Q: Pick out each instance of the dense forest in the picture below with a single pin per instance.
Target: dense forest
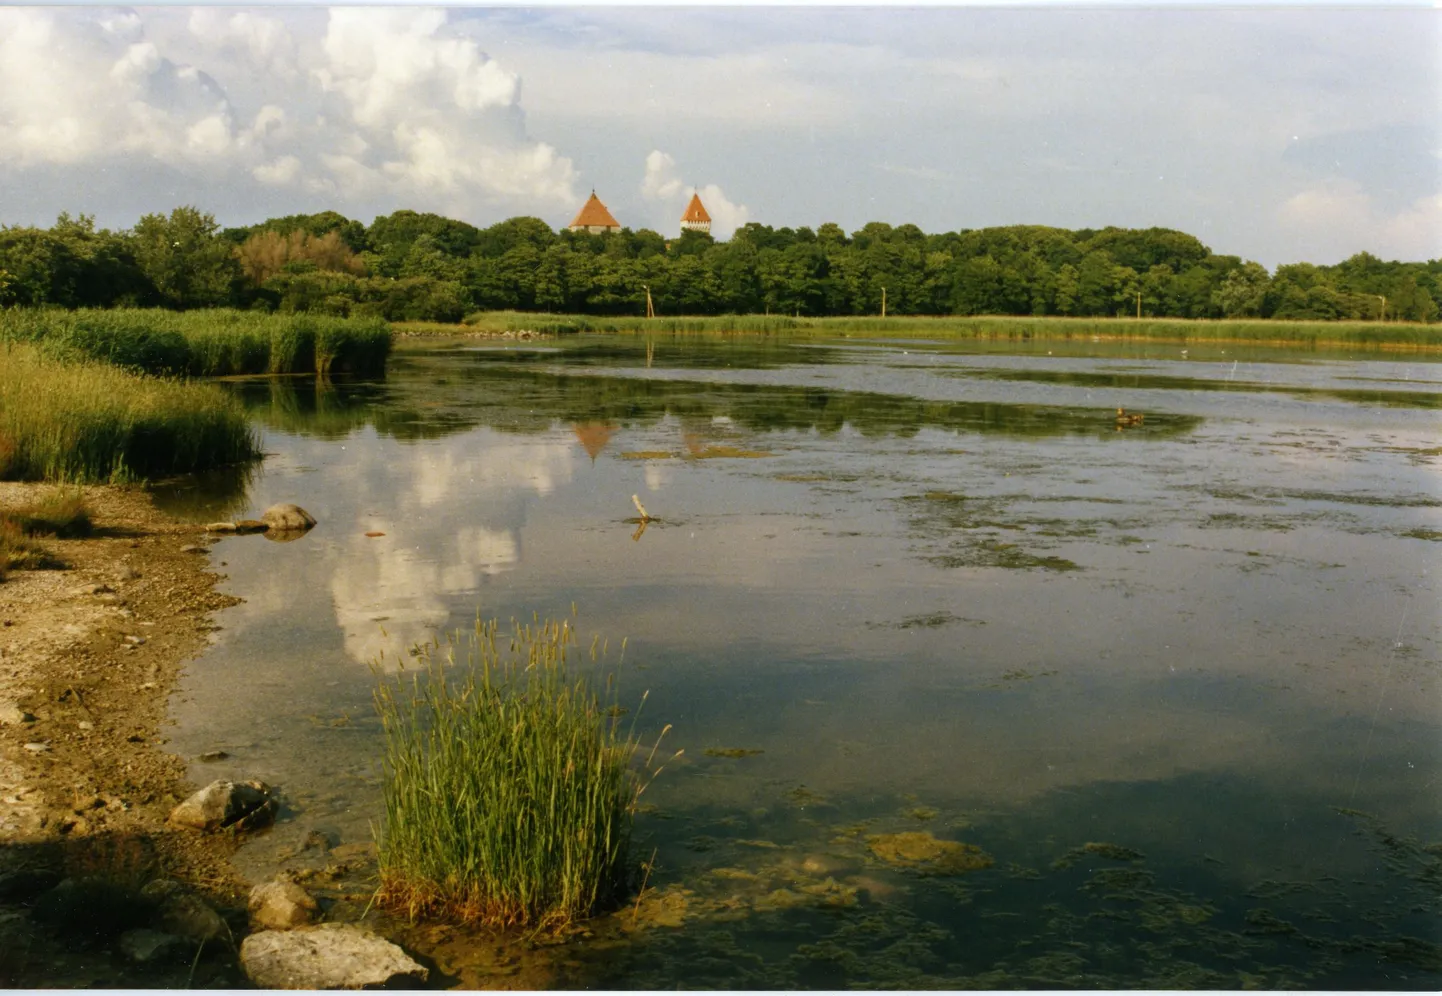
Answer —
(415, 266)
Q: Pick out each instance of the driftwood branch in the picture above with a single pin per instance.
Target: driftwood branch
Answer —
(641, 508)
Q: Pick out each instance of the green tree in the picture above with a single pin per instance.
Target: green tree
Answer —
(1242, 291)
(184, 258)
(1068, 289)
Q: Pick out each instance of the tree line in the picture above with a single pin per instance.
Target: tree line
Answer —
(418, 266)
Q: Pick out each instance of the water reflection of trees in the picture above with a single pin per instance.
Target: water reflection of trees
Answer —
(428, 398)
(677, 352)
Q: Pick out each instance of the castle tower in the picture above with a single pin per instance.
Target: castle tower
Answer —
(695, 218)
(594, 218)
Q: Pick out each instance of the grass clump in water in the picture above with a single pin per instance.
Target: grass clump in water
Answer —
(510, 789)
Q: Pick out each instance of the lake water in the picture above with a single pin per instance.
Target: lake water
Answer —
(924, 589)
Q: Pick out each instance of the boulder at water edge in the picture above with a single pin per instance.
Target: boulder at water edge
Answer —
(224, 804)
(287, 518)
(330, 956)
(280, 905)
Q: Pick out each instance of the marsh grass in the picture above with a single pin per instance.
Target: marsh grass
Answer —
(1310, 333)
(509, 786)
(209, 343)
(560, 324)
(1370, 334)
(76, 422)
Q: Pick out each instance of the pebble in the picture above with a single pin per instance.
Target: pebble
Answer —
(135, 640)
(92, 589)
(211, 756)
(37, 748)
(192, 548)
(85, 724)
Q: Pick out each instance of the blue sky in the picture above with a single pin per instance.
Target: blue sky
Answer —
(1275, 133)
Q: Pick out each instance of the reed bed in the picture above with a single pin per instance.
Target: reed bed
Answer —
(1371, 334)
(510, 788)
(78, 421)
(1364, 334)
(210, 343)
(557, 324)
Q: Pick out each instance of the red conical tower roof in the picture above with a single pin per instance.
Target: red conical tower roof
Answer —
(594, 213)
(696, 211)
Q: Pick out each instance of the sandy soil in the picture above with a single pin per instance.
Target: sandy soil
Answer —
(89, 652)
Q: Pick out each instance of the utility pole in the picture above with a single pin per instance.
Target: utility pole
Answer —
(650, 311)
(1383, 316)
(883, 302)
(1139, 305)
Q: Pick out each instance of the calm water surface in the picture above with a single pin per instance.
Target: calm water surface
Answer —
(937, 591)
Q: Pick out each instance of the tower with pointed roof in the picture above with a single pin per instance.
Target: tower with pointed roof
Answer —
(695, 218)
(594, 218)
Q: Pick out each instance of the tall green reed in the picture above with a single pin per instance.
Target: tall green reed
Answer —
(510, 787)
(76, 421)
(208, 343)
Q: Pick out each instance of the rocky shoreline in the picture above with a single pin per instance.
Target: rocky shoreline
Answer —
(99, 884)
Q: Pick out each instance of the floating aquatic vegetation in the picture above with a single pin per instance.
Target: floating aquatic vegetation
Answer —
(722, 452)
(1113, 852)
(647, 455)
(920, 851)
(733, 752)
(803, 796)
(1423, 534)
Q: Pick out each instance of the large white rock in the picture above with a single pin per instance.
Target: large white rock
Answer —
(329, 956)
(280, 905)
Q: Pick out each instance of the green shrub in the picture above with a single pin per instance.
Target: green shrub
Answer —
(509, 789)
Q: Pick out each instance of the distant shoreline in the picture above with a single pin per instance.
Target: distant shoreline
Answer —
(1382, 336)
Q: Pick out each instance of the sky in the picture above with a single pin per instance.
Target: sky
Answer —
(1278, 133)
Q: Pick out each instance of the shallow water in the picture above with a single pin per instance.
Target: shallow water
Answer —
(936, 589)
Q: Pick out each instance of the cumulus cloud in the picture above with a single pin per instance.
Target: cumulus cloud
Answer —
(662, 185)
(393, 105)
(119, 94)
(1329, 221)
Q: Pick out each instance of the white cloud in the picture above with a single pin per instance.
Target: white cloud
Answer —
(1333, 220)
(262, 42)
(662, 185)
(117, 94)
(281, 173)
(387, 105)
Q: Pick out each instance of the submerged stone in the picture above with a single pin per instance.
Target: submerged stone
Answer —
(921, 851)
(286, 517)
